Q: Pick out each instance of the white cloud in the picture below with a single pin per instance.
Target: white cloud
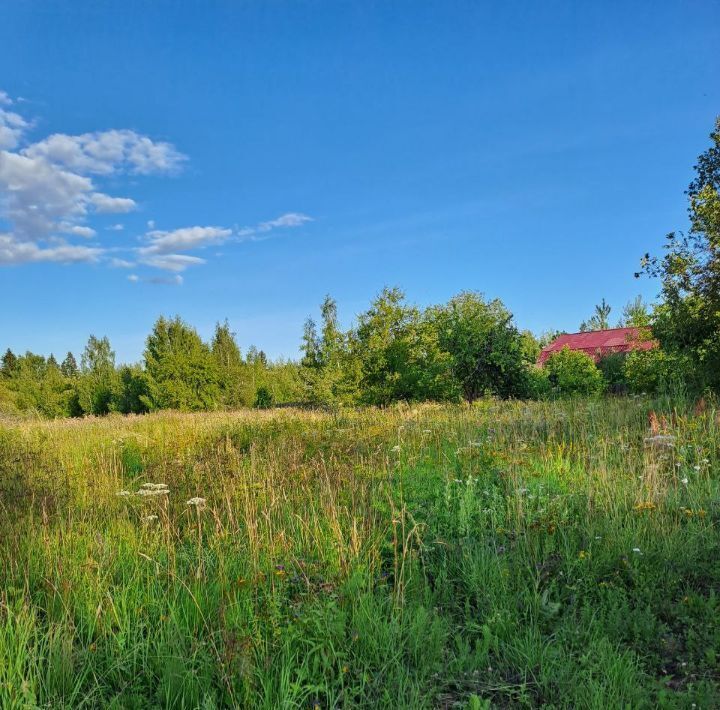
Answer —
(184, 239)
(106, 152)
(122, 264)
(176, 280)
(171, 262)
(77, 230)
(14, 251)
(12, 125)
(291, 219)
(106, 204)
(51, 190)
(37, 196)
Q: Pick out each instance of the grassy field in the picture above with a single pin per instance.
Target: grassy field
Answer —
(504, 555)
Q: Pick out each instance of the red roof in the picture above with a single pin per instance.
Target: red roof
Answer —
(598, 343)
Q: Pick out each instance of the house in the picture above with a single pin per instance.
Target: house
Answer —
(599, 343)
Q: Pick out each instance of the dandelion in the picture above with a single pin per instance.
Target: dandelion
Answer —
(197, 502)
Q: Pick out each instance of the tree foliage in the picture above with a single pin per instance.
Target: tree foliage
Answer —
(687, 322)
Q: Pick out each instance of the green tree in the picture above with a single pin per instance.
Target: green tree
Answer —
(487, 353)
(9, 363)
(69, 366)
(398, 355)
(131, 390)
(687, 322)
(636, 314)
(98, 377)
(326, 368)
(232, 370)
(573, 372)
(600, 320)
(181, 371)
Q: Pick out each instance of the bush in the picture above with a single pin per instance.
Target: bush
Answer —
(264, 398)
(538, 383)
(573, 372)
(658, 372)
(612, 368)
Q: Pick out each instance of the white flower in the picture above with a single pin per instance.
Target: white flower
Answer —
(678, 464)
(684, 481)
(123, 494)
(149, 518)
(660, 441)
(151, 492)
(154, 486)
(697, 468)
(395, 448)
(637, 550)
(197, 502)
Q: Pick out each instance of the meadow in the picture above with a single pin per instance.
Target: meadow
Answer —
(505, 554)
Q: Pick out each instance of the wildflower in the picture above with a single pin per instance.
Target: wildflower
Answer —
(697, 468)
(149, 519)
(345, 669)
(123, 494)
(197, 502)
(678, 464)
(701, 513)
(151, 492)
(660, 441)
(647, 505)
(636, 550)
(154, 486)
(582, 554)
(395, 448)
(684, 481)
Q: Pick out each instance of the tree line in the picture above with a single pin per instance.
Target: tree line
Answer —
(464, 349)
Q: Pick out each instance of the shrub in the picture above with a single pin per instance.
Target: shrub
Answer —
(264, 398)
(612, 368)
(573, 372)
(658, 372)
(538, 383)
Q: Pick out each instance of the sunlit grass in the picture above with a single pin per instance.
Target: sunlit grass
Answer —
(508, 554)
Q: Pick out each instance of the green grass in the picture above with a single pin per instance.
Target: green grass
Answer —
(504, 555)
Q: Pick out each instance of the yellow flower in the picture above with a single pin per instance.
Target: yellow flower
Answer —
(647, 505)
(582, 554)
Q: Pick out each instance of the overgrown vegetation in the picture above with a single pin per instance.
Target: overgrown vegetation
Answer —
(505, 554)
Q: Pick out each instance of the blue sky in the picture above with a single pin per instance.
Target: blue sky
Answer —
(240, 160)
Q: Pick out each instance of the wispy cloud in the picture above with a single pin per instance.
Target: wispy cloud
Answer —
(176, 280)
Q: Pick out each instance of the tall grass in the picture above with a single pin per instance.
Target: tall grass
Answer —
(507, 554)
